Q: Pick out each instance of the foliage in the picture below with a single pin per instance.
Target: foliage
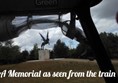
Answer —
(34, 52)
(9, 53)
(60, 50)
(25, 55)
(110, 42)
(72, 53)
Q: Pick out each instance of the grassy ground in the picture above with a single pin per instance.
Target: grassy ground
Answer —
(54, 66)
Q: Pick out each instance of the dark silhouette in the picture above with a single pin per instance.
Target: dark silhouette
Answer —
(117, 17)
(45, 41)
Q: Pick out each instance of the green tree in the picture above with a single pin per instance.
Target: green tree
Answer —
(72, 53)
(9, 53)
(110, 42)
(34, 52)
(25, 55)
(60, 49)
(8, 43)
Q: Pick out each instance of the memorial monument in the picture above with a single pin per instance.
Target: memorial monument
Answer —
(44, 54)
(45, 41)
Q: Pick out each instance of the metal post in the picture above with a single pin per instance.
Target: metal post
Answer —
(92, 35)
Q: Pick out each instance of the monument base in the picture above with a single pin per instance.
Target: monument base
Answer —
(44, 55)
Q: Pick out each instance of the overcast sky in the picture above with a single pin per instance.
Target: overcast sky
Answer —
(103, 15)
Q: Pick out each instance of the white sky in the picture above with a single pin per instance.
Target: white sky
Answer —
(103, 16)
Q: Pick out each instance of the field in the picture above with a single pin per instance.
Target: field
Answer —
(64, 65)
